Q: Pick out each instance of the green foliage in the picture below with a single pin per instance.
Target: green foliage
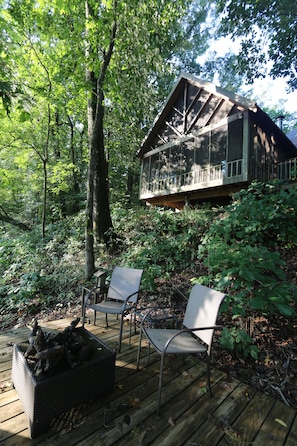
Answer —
(239, 341)
(232, 246)
(161, 242)
(255, 22)
(44, 49)
(243, 252)
(255, 277)
(265, 214)
(39, 273)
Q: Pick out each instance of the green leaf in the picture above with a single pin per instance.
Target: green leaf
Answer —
(24, 116)
(286, 310)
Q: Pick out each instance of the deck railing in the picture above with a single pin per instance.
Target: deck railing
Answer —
(231, 171)
(173, 182)
(286, 171)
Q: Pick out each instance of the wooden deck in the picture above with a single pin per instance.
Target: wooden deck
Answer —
(236, 415)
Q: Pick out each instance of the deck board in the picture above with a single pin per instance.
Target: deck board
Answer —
(237, 413)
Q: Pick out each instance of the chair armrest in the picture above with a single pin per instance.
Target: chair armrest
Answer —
(212, 327)
(188, 330)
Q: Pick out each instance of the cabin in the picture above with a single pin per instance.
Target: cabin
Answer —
(207, 143)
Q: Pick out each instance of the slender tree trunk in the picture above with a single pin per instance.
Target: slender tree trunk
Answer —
(102, 217)
(98, 217)
(89, 230)
(44, 159)
(89, 234)
(43, 222)
(75, 190)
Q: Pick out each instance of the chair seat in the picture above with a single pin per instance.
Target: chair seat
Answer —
(183, 343)
(110, 307)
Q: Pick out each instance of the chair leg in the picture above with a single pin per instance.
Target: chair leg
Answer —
(121, 333)
(130, 332)
(139, 349)
(134, 317)
(84, 299)
(148, 353)
(160, 383)
(208, 376)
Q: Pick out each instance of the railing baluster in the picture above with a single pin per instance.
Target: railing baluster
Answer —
(285, 170)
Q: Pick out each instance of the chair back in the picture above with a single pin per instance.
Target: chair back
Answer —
(202, 310)
(124, 282)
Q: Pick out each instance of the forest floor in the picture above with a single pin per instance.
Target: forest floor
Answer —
(275, 370)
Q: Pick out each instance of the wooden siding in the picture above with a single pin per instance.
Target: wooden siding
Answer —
(237, 414)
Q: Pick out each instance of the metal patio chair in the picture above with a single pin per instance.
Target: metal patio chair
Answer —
(195, 336)
(120, 298)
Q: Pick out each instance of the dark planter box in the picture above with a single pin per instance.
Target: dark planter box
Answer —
(46, 399)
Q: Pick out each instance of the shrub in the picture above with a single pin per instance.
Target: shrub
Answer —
(241, 255)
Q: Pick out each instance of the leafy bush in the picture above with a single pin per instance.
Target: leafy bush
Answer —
(238, 340)
(161, 242)
(253, 277)
(241, 255)
(238, 246)
(36, 272)
(264, 214)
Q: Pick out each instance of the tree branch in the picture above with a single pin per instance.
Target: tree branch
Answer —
(7, 219)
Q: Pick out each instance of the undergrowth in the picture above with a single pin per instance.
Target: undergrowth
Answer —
(238, 245)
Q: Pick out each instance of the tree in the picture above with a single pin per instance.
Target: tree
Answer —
(268, 34)
(130, 46)
(116, 59)
(40, 145)
(98, 217)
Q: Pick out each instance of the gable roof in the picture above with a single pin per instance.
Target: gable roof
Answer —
(292, 135)
(229, 99)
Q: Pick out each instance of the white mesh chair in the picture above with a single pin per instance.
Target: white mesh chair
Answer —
(121, 298)
(196, 336)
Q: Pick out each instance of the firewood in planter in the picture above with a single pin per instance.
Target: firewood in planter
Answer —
(65, 336)
(50, 352)
(47, 360)
(40, 341)
(37, 340)
(73, 324)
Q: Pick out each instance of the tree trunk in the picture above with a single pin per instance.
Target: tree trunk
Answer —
(98, 217)
(89, 232)
(89, 236)
(102, 217)
(43, 220)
